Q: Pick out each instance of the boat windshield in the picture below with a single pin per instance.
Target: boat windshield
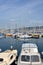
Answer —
(25, 58)
(34, 58)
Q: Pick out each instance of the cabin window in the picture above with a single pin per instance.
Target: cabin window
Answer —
(34, 58)
(25, 58)
(1, 59)
(11, 57)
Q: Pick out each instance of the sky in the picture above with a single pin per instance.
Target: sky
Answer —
(21, 13)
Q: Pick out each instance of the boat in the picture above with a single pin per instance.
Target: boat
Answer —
(8, 57)
(21, 36)
(1, 35)
(16, 35)
(25, 36)
(29, 55)
(37, 36)
(8, 34)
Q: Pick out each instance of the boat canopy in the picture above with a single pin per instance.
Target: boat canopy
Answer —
(30, 47)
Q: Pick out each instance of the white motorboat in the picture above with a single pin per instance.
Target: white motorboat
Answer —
(25, 36)
(29, 55)
(21, 36)
(8, 57)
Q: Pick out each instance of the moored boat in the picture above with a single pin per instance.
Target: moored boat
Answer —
(36, 36)
(25, 36)
(29, 55)
(8, 34)
(16, 35)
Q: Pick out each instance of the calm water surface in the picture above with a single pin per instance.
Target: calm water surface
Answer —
(5, 43)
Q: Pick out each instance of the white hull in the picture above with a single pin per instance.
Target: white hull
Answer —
(25, 37)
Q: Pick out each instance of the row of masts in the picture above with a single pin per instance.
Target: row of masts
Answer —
(37, 29)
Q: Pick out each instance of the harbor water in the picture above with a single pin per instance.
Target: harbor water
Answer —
(5, 44)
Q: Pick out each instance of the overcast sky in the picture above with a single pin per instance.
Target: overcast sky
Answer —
(23, 13)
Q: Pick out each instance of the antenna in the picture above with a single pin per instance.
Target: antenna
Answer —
(15, 27)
